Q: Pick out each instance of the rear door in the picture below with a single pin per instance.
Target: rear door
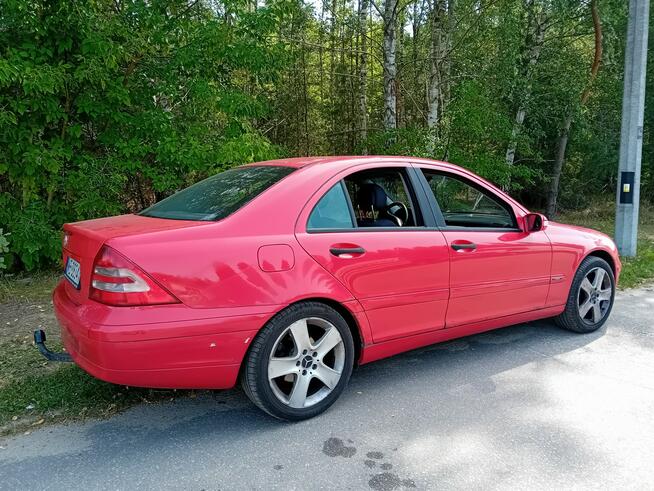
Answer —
(496, 269)
(395, 262)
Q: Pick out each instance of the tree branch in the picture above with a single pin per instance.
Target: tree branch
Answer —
(597, 59)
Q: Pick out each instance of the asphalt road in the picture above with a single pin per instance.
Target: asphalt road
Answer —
(527, 407)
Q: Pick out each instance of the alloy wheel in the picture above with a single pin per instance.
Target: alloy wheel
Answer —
(594, 296)
(306, 362)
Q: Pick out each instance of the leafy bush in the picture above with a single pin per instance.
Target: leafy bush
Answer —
(128, 103)
(4, 248)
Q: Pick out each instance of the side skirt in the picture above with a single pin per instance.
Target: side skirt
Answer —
(377, 351)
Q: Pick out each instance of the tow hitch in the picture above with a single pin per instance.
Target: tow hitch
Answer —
(39, 340)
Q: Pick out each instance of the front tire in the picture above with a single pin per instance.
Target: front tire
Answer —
(300, 362)
(591, 297)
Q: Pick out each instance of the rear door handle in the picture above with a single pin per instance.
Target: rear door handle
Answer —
(345, 251)
(459, 247)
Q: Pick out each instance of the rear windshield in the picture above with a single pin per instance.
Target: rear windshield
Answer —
(218, 196)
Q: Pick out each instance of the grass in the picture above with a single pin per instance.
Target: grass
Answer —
(601, 216)
(34, 391)
(35, 287)
(46, 394)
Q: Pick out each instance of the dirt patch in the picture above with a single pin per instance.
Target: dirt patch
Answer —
(20, 318)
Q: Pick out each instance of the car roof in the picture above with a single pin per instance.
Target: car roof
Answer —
(346, 160)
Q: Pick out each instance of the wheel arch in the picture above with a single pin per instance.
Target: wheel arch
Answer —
(350, 319)
(603, 254)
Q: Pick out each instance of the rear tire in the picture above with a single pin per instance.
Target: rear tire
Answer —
(300, 362)
(591, 297)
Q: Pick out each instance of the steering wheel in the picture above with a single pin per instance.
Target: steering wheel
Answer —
(399, 207)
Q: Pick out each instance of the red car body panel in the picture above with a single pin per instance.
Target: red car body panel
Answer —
(484, 283)
(570, 245)
(408, 289)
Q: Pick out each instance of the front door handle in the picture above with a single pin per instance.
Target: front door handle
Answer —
(460, 246)
(347, 251)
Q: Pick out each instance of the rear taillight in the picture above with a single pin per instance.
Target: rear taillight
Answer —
(118, 281)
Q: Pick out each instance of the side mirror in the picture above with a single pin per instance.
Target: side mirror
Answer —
(534, 222)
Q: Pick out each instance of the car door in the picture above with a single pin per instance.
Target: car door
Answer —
(399, 271)
(496, 268)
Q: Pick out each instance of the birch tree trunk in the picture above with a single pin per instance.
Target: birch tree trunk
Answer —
(562, 142)
(390, 64)
(414, 69)
(332, 75)
(436, 51)
(400, 107)
(363, 75)
(534, 46)
(447, 62)
(413, 73)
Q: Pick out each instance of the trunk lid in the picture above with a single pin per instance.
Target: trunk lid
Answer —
(83, 240)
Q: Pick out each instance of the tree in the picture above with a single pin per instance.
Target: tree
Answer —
(363, 73)
(537, 26)
(390, 15)
(437, 53)
(109, 105)
(562, 142)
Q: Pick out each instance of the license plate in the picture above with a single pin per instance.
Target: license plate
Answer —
(72, 272)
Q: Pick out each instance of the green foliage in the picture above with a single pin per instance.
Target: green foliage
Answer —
(109, 105)
(36, 236)
(647, 178)
(4, 248)
(126, 103)
(474, 135)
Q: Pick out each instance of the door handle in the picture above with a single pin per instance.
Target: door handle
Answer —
(342, 251)
(464, 246)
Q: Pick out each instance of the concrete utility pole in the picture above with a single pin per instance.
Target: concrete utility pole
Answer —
(631, 137)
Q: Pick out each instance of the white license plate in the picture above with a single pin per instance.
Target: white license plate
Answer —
(72, 272)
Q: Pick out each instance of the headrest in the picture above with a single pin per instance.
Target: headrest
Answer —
(371, 194)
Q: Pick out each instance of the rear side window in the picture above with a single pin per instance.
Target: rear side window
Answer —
(332, 211)
(218, 196)
(381, 198)
(372, 198)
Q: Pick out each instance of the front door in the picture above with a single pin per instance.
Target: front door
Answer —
(369, 232)
(496, 269)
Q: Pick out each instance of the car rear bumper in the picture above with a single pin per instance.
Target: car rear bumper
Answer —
(198, 353)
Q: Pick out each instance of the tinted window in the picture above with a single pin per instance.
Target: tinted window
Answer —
(332, 211)
(219, 195)
(464, 205)
(381, 198)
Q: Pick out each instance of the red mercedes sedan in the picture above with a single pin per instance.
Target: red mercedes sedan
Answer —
(286, 274)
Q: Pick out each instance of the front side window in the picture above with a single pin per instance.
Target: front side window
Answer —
(218, 196)
(464, 205)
